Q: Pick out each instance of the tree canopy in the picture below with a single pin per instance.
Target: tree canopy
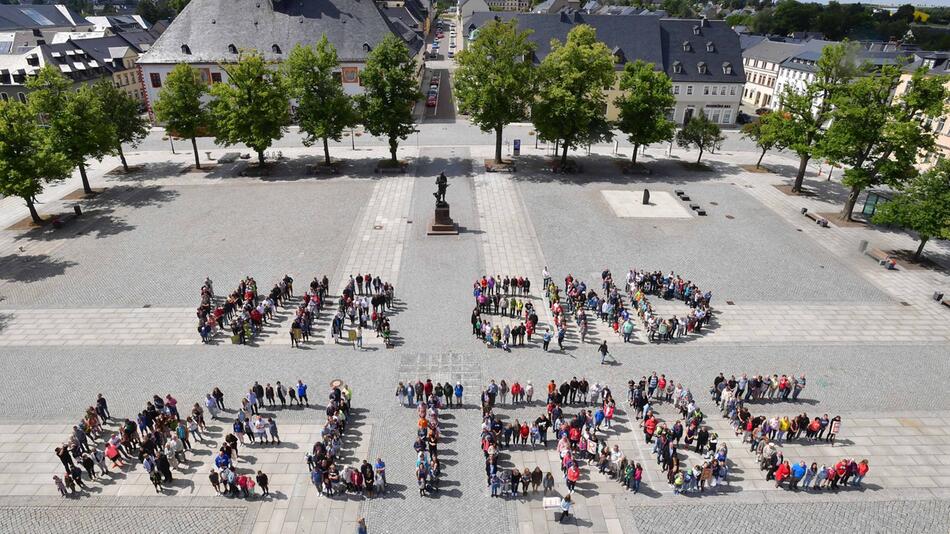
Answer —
(767, 133)
(570, 105)
(324, 110)
(390, 90)
(923, 206)
(494, 81)
(700, 132)
(28, 155)
(180, 105)
(129, 126)
(252, 108)
(643, 105)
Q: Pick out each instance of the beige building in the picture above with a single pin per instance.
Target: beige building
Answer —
(762, 63)
(937, 64)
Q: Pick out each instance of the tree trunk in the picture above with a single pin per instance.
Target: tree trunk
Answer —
(125, 165)
(260, 159)
(564, 154)
(36, 216)
(758, 164)
(393, 145)
(194, 145)
(636, 147)
(923, 241)
(326, 151)
(700, 154)
(800, 177)
(85, 179)
(498, 131)
(849, 204)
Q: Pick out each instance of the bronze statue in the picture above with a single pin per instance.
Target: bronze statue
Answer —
(442, 183)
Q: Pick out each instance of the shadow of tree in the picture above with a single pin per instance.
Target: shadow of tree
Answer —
(32, 268)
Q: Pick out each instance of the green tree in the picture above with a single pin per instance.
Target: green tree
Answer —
(78, 123)
(571, 105)
(647, 95)
(700, 132)
(154, 10)
(179, 105)
(494, 81)
(878, 136)
(766, 133)
(324, 110)
(252, 108)
(125, 114)
(390, 90)
(805, 113)
(28, 155)
(923, 206)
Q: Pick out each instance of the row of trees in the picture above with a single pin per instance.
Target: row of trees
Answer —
(253, 107)
(497, 84)
(60, 129)
(852, 116)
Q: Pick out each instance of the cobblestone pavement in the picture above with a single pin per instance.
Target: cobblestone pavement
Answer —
(803, 302)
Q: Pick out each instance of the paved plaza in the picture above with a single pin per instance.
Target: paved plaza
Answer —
(107, 305)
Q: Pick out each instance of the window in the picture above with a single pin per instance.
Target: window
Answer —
(710, 47)
(4, 97)
(689, 89)
(677, 67)
(155, 78)
(706, 90)
(21, 97)
(687, 47)
(350, 74)
(727, 116)
(232, 49)
(205, 75)
(701, 67)
(695, 30)
(722, 90)
(185, 49)
(939, 127)
(215, 77)
(676, 89)
(732, 90)
(275, 49)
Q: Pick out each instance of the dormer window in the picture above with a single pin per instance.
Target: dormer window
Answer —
(185, 50)
(929, 63)
(727, 68)
(677, 67)
(367, 48)
(710, 47)
(687, 47)
(701, 67)
(275, 49)
(232, 49)
(695, 30)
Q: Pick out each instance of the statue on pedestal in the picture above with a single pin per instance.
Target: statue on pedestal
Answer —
(442, 183)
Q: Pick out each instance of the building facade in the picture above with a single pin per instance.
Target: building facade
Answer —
(210, 33)
(936, 64)
(702, 58)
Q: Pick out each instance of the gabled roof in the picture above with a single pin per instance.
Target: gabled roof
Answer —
(648, 38)
(22, 17)
(208, 27)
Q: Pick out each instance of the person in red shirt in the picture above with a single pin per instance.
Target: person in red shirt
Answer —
(862, 469)
(573, 474)
(841, 469)
(782, 473)
(649, 427)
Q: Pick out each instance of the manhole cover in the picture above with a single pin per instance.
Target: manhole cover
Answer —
(377, 227)
(730, 217)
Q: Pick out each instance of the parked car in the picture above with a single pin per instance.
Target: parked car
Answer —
(431, 102)
(434, 81)
(451, 54)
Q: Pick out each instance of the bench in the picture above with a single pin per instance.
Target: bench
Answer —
(819, 220)
(694, 207)
(882, 258)
(682, 194)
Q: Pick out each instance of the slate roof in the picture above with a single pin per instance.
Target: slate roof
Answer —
(648, 38)
(29, 17)
(208, 27)
(106, 49)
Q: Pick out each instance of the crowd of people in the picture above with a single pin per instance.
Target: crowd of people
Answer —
(428, 436)
(244, 311)
(845, 473)
(364, 302)
(640, 285)
(500, 296)
(327, 473)
(80, 452)
(414, 394)
(759, 387)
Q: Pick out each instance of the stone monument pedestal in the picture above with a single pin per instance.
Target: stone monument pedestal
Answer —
(442, 224)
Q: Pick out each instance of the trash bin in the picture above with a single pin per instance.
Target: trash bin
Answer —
(516, 148)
